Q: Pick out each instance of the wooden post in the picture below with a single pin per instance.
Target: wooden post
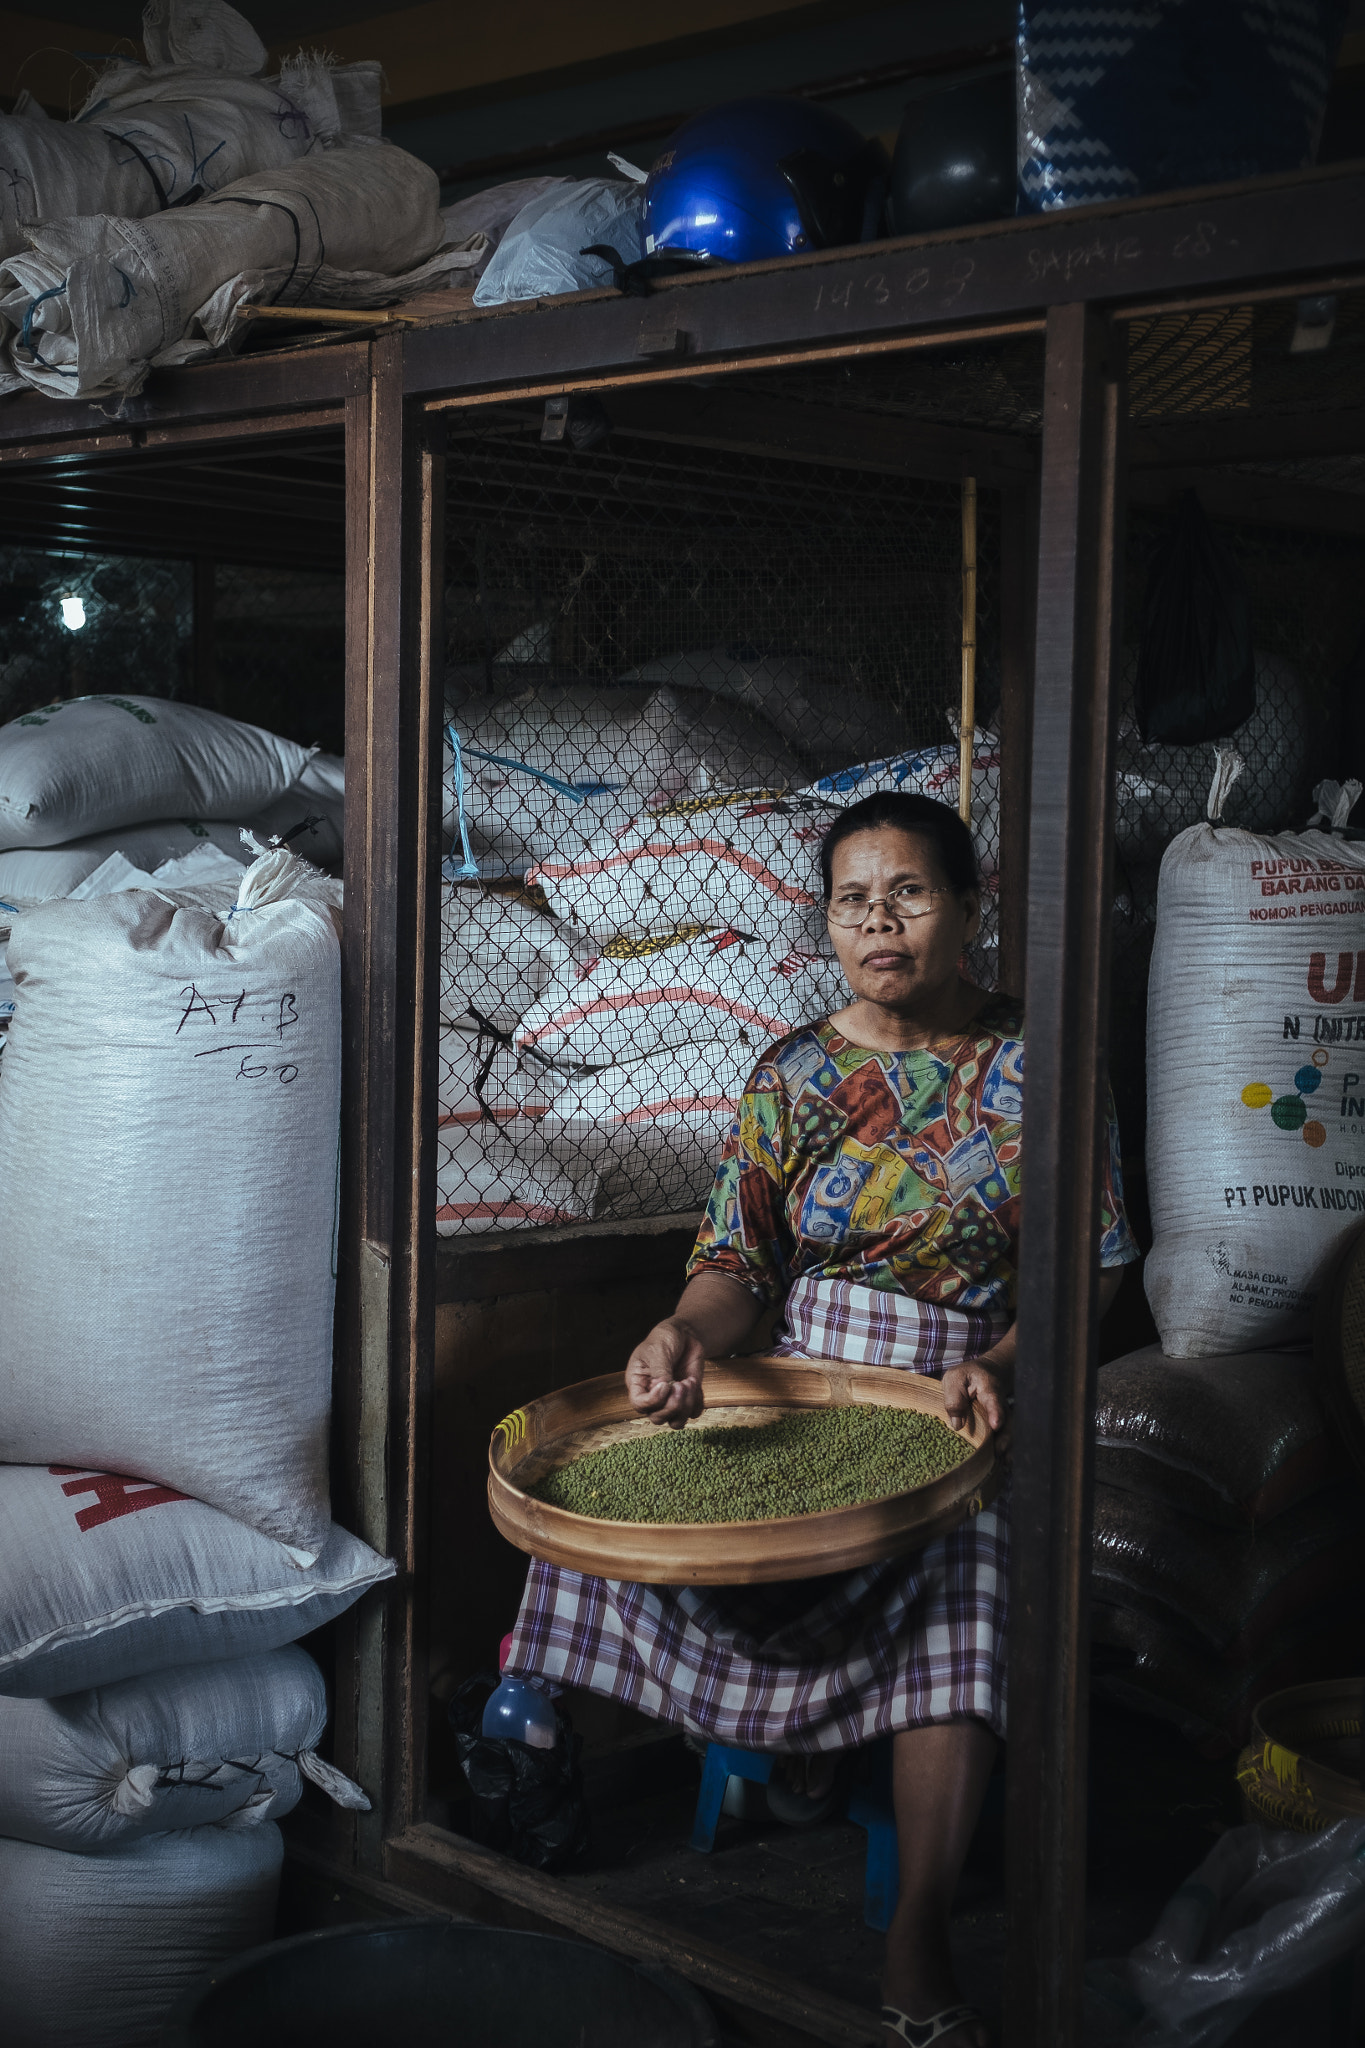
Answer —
(394, 501)
(966, 732)
(1070, 836)
(1018, 626)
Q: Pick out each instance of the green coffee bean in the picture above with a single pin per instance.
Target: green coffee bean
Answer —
(801, 1464)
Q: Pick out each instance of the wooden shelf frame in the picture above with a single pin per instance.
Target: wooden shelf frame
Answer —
(1071, 278)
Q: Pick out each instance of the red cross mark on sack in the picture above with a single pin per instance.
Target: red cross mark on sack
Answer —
(114, 1495)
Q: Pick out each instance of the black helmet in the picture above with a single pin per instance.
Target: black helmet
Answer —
(955, 155)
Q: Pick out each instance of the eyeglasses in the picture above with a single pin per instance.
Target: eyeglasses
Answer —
(910, 899)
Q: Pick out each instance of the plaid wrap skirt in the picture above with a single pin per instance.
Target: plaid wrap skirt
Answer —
(812, 1664)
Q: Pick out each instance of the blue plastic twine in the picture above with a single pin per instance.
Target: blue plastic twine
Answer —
(451, 869)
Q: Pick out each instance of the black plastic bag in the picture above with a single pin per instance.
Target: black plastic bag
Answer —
(1196, 676)
(527, 1802)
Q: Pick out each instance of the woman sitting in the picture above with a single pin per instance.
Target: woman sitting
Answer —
(870, 1186)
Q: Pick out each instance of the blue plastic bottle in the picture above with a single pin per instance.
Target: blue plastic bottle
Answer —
(516, 1711)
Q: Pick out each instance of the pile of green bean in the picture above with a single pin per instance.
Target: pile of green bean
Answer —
(800, 1464)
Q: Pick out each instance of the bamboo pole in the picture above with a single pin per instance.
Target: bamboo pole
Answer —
(967, 713)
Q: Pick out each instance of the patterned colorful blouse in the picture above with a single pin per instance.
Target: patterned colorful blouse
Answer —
(899, 1170)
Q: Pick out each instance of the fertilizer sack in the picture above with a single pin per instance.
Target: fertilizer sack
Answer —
(748, 863)
(210, 1745)
(500, 1176)
(104, 1578)
(97, 1949)
(92, 764)
(1255, 1082)
(310, 817)
(96, 298)
(170, 1110)
(643, 996)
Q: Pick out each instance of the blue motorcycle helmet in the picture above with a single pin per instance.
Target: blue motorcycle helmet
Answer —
(763, 177)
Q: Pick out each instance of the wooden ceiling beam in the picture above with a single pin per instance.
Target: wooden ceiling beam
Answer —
(742, 422)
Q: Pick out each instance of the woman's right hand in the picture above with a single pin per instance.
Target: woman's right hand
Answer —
(663, 1375)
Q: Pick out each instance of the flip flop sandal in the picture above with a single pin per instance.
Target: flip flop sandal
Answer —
(923, 2033)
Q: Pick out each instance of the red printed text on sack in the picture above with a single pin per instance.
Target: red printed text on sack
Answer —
(114, 1495)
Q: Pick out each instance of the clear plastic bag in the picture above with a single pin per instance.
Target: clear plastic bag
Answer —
(541, 252)
(1266, 1912)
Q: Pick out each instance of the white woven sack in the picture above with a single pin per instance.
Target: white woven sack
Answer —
(497, 956)
(195, 115)
(652, 1128)
(96, 298)
(171, 1109)
(1255, 1082)
(503, 1179)
(96, 1949)
(483, 1083)
(750, 864)
(825, 717)
(46, 872)
(642, 996)
(933, 772)
(548, 771)
(103, 1578)
(209, 1745)
(310, 817)
(96, 763)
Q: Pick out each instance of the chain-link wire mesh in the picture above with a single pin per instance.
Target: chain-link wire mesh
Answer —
(667, 669)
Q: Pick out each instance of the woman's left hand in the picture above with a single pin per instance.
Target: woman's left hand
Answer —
(975, 1381)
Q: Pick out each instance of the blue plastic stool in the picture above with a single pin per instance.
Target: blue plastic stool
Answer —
(869, 1805)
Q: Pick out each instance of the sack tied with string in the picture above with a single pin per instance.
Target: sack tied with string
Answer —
(170, 1108)
(195, 117)
(210, 1745)
(1255, 1079)
(96, 299)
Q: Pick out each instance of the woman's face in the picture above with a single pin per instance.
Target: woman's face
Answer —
(898, 961)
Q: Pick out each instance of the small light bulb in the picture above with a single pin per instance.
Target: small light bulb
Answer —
(73, 614)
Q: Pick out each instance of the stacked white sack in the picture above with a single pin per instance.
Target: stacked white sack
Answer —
(638, 997)
(91, 764)
(1255, 1079)
(748, 863)
(545, 774)
(652, 1128)
(96, 1949)
(171, 1109)
(308, 818)
(104, 1578)
(210, 1745)
(493, 1172)
(97, 298)
(825, 717)
(196, 116)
